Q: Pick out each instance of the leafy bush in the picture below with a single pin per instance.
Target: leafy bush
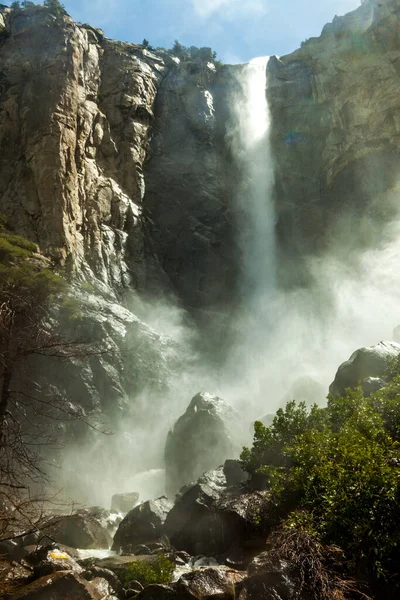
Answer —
(335, 473)
(160, 571)
(203, 54)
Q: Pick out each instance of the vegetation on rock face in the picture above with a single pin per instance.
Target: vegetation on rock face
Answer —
(160, 571)
(334, 473)
(203, 54)
(30, 412)
(54, 6)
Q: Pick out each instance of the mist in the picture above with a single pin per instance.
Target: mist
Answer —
(280, 336)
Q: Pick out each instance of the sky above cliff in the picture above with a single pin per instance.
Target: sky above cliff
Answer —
(237, 29)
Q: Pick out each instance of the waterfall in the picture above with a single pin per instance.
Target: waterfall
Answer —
(253, 151)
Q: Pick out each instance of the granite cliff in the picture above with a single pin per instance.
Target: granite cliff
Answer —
(117, 161)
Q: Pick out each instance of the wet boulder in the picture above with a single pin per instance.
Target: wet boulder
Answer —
(13, 576)
(208, 583)
(47, 560)
(209, 518)
(269, 580)
(123, 503)
(234, 473)
(157, 592)
(190, 525)
(119, 565)
(142, 524)
(201, 439)
(366, 366)
(63, 585)
(10, 550)
(77, 531)
(94, 572)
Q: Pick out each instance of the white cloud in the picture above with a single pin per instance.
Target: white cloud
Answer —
(229, 9)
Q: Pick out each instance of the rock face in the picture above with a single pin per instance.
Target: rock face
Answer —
(201, 439)
(117, 162)
(366, 366)
(335, 137)
(72, 178)
(142, 524)
(190, 168)
(76, 115)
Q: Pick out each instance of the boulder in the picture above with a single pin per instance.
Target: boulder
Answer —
(142, 524)
(123, 503)
(269, 581)
(209, 582)
(119, 564)
(208, 518)
(234, 473)
(48, 560)
(202, 438)
(77, 531)
(366, 366)
(157, 592)
(9, 549)
(13, 576)
(63, 585)
(95, 573)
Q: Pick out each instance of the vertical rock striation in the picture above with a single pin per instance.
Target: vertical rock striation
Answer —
(336, 134)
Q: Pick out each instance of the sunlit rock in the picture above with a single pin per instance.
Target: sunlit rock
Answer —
(366, 366)
(142, 524)
(202, 438)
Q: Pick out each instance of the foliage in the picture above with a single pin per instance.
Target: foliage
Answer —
(202, 55)
(55, 7)
(30, 410)
(159, 571)
(336, 472)
(314, 564)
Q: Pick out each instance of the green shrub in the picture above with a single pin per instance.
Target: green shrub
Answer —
(335, 473)
(203, 55)
(160, 571)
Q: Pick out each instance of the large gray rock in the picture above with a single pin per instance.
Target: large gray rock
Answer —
(157, 592)
(119, 565)
(142, 524)
(269, 580)
(202, 439)
(210, 519)
(124, 502)
(77, 531)
(366, 366)
(209, 582)
(46, 560)
(64, 585)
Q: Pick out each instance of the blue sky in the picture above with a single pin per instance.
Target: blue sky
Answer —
(237, 29)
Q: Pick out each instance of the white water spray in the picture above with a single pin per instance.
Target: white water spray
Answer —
(306, 332)
(253, 151)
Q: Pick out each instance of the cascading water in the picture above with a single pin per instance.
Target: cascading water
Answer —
(253, 151)
(303, 334)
